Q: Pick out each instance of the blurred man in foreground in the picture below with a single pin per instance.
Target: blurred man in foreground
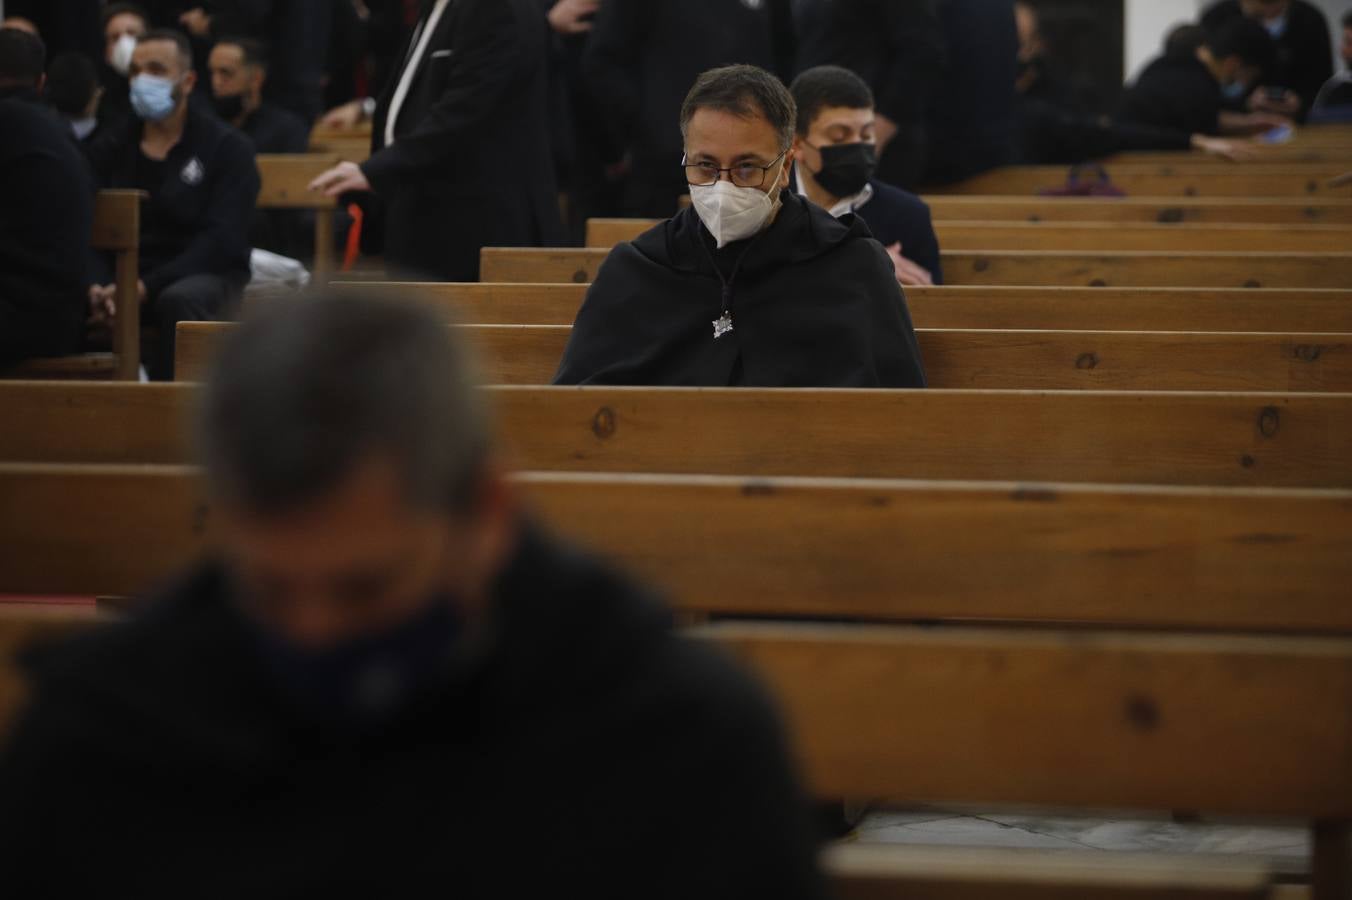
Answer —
(388, 671)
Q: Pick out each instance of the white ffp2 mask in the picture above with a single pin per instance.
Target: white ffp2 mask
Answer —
(732, 213)
(120, 57)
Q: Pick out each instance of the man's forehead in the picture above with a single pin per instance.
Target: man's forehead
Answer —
(227, 55)
(727, 134)
(158, 51)
(124, 22)
(843, 115)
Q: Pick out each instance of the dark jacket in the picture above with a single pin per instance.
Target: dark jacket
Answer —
(897, 216)
(45, 221)
(273, 129)
(1304, 51)
(163, 756)
(814, 303)
(471, 165)
(197, 222)
(1174, 92)
(642, 58)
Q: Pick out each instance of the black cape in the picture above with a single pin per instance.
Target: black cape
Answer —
(814, 303)
(587, 752)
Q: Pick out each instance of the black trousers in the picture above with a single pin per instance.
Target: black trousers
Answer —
(196, 298)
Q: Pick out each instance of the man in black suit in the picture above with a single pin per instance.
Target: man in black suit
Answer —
(46, 214)
(642, 56)
(1304, 51)
(461, 143)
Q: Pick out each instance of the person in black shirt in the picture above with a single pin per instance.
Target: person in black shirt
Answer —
(1051, 131)
(1186, 92)
(1304, 51)
(202, 182)
(835, 156)
(46, 213)
(387, 666)
(752, 285)
(123, 25)
(640, 56)
(239, 71)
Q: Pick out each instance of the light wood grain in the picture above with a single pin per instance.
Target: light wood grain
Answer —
(1185, 180)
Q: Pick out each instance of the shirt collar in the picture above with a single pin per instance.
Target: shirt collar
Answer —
(846, 205)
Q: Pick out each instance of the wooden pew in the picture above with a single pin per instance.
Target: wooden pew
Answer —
(286, 178)
(1240, 440)
(1167, 210)
(1204, 180)
(117, 230)
(352, 145)
(1004, 360)
(1096, 236)
(1233, 559)
(1007, 267)
(1119, 687)
(1050, 308)
(1280, 154)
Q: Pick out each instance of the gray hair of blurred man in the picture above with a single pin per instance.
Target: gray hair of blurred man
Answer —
(303, 393)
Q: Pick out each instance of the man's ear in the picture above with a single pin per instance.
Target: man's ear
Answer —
(42, 83)
(789, 156)
(189, 81)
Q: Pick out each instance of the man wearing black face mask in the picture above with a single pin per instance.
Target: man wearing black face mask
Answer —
(239, 69)
(835, 162)
(386, 667)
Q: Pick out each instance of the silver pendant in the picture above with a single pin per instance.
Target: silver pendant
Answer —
(722, 325)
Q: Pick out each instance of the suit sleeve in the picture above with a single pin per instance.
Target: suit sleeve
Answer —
(491, 47)
(611, 62)
(224, 237)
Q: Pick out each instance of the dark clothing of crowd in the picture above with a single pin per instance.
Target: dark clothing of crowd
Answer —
(45, 224)
(1304, 60)
(1175, 92)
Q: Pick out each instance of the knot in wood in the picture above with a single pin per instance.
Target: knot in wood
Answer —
(1308, 352)
(981, 264)
(603, 423)
(1087, 361)
(580, 276)
(1170, 215)
(1269, 420)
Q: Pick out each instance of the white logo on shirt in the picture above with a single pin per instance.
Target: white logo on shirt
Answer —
(753, 4)
(193, 172)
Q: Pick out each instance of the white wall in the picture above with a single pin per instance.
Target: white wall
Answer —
(1148, 21)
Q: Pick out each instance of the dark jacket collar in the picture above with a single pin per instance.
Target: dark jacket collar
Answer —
(801, 231)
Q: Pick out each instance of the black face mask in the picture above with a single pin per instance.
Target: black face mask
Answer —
(230, 107)
(846, 168)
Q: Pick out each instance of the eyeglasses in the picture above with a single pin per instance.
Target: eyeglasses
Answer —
(745, 175)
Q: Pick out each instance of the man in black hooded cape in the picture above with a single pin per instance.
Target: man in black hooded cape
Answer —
(813, 302)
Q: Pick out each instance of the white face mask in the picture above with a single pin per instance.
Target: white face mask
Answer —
(120, 56)
(733, 213)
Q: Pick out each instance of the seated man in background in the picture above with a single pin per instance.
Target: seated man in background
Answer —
(752, 285)
(239, 69)
(1051, 131)
(202, 182)
(46, 213)
(1185, 92)
(835, 158)
(386, 667)
(1302, 59)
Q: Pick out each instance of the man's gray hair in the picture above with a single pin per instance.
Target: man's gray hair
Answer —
(306, 391)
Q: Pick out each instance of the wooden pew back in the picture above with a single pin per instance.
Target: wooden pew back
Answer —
(1166, 210)
(1010, 267)
(286, 179)
(1320, 310)
(1102, 237)
(1199, 180)
(1229, 559)
(1005, 360)
(1240, 440)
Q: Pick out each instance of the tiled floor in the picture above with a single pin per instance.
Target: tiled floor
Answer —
(966, 829)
